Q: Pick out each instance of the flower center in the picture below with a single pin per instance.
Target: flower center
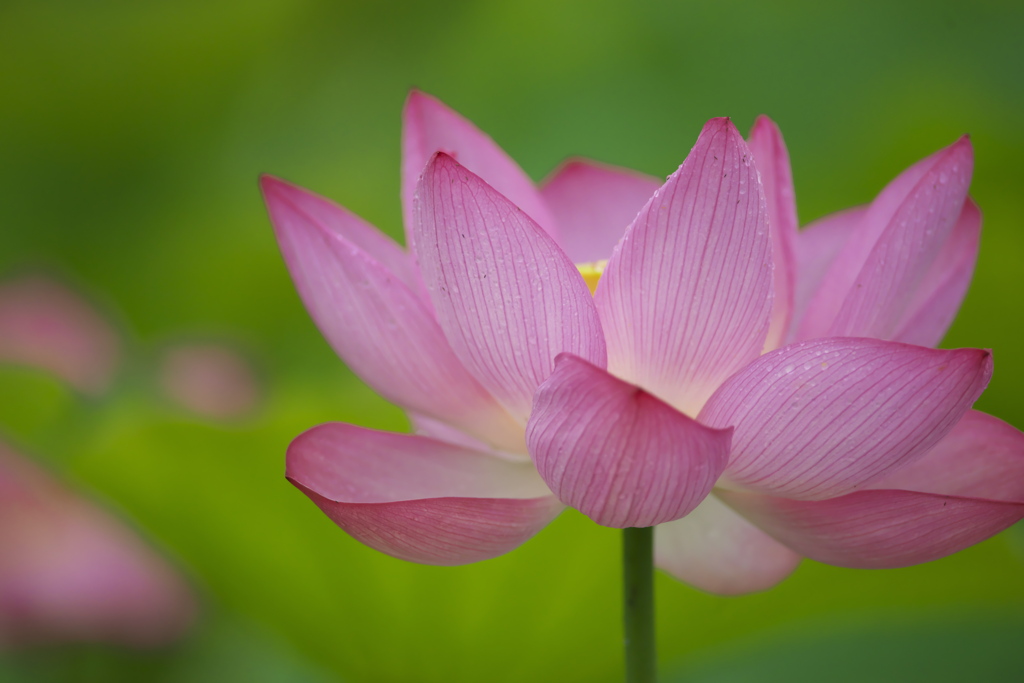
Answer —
(592, 272)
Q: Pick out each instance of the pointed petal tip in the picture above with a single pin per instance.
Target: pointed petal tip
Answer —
(269, 183)
(764, 121)
(719, 123)
(569, 165)
(441, 159)
(278, 189)
(985, 360)
(424, 107)
(962, 149)
(417, 99)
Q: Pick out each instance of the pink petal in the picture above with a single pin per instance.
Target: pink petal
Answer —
(937, 299)
(772, 159)
(868, 223)
(69, 572)
(46, 325)
(428, 127)
(594, 204)
(288, 199)
(869, 287)
(617, 454)
(982, 457)
(378, 326)
(685, 299)
(822, 418)
(969, 486)
(877, 529)
(817, 247)
(440, 431)
(506, 296)
(716, 550)
(418, 499)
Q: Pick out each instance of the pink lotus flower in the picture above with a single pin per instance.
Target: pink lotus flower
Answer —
(71, 573)
(759, 394)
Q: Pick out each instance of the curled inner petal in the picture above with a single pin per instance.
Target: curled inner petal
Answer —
(618, 454)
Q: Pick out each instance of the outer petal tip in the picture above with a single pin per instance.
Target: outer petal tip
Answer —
(720, 124)
(964, 142)
(275, 189)
(961, 151)
(417, 98)
(267, 181)
(763, 125)
(442, 159)
(429, 126)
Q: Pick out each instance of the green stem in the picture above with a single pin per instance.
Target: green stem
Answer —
(638, 604)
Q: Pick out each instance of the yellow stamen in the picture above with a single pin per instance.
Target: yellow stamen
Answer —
(591, 272)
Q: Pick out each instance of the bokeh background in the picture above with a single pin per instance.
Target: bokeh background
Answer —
(131, 137)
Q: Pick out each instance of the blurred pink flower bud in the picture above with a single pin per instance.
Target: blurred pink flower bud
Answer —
(70, 572)
(46, 325)
(209, 379)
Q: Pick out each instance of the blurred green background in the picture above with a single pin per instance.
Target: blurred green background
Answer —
(131, 137)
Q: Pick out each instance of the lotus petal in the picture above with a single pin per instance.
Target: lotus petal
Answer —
(772, 159)
(870, 285)
(686, 297)
(378, 325)
(877, 529)
(817, 246)
(716, 550)
(938, 298)
(418, 499)
(823, 418)
(508, 299)
(617, 454)
(594, 204)
(428, 127)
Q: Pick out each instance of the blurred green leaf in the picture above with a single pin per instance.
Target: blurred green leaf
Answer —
(222, 650)
(882, 648)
